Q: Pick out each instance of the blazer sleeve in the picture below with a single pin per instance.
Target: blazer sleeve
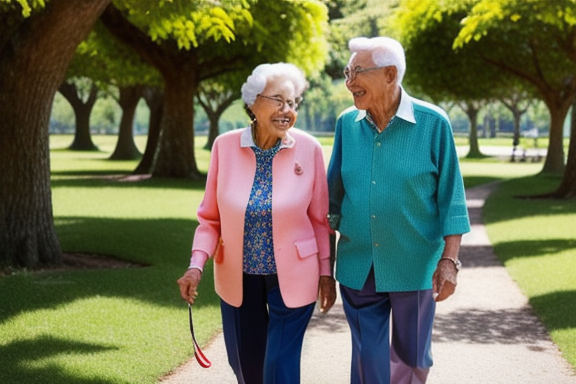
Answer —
(318, 211)
(208, 231)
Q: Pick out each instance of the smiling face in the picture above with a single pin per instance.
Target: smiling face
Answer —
(371, 88)
(273, 117)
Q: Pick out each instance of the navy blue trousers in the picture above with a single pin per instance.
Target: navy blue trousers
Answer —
(407, 358)
(263, 337)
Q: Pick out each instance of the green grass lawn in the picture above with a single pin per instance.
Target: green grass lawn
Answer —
(536, 241)
(130, 326)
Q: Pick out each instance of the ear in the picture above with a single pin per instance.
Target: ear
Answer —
(391, 73)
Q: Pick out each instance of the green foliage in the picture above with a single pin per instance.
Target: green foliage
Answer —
(27, 5)
(189, 23)
(533, 38)
(106, 61)
(427, 30)
(488, 14)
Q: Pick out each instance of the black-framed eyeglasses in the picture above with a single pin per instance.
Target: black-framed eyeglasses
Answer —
(292, 104)
(350, 74)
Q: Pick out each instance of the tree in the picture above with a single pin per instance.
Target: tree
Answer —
(189, 42)
(154, 97)
(517, 100)
(427, 30)
(128, 98)
(111, 64)
(215, 97)
(36, 46)
(82, 95)
(536, 42)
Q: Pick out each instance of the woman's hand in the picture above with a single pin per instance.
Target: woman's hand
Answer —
(327, 293)
(189, 284)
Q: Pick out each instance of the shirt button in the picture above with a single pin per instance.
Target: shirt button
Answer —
(373, 182)
(373, 216)
(378, 144)
(376, 245)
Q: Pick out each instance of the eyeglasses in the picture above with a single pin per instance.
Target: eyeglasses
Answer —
(350, 74)
(292, 104)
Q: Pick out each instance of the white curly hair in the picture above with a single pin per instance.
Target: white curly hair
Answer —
(256, 82)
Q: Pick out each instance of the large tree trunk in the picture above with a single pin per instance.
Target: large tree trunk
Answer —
(33, 64)
(125, 147)
(82, 110)
(154, 98)
(554, 162)
(179, 69)
(567, 188)
(175, 156)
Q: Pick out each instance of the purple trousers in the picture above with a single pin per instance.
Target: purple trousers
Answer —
(406, 357)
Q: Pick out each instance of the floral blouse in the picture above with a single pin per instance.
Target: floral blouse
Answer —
(258, 242)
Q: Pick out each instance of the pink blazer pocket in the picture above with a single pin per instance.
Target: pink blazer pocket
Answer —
(219, 252)
(306, 248)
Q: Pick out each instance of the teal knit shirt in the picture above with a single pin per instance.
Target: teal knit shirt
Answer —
(398, 193)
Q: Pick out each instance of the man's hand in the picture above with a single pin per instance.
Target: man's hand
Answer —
(327, 293)
(189, 284)
(444, 280)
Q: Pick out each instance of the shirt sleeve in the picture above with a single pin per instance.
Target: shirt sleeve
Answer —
(335, 185)
(451, 194)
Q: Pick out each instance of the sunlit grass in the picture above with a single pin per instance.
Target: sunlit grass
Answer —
(536, 241)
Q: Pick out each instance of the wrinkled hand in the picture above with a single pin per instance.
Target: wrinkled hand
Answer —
(444, 281)
(189, 284)
(327, 293)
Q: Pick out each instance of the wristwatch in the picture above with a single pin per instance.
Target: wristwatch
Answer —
(457, 263)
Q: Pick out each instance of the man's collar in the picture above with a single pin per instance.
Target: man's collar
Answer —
(246, 139)
(405, 109)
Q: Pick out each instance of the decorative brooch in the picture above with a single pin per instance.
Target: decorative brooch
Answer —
(298, 168)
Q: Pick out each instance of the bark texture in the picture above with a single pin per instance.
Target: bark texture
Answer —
(34, 56)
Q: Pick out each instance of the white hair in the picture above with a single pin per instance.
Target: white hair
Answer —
(256, 82)
(385, 51)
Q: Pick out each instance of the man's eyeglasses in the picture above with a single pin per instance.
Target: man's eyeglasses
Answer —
(292, 104)
(350, 74)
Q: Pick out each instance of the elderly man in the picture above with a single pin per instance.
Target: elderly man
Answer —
(397, 200)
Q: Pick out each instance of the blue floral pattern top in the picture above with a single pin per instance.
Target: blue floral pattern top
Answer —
(258, 242)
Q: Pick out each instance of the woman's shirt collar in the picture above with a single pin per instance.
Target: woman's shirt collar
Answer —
(246, 139)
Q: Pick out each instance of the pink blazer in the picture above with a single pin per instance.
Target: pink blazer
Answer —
(299, 208)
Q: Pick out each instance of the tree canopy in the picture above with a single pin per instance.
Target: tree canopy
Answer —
(536, 42)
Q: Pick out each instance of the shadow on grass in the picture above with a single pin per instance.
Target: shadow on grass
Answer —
(106, 179)
(474, 181)
(19, 358)
(164, 244)
(503, 205)
(529, 248)
(556, 309)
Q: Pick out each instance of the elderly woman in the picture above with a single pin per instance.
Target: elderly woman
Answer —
(263, 217)
(397, 200)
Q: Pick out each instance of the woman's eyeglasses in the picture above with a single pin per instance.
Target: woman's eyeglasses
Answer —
(292, 104)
